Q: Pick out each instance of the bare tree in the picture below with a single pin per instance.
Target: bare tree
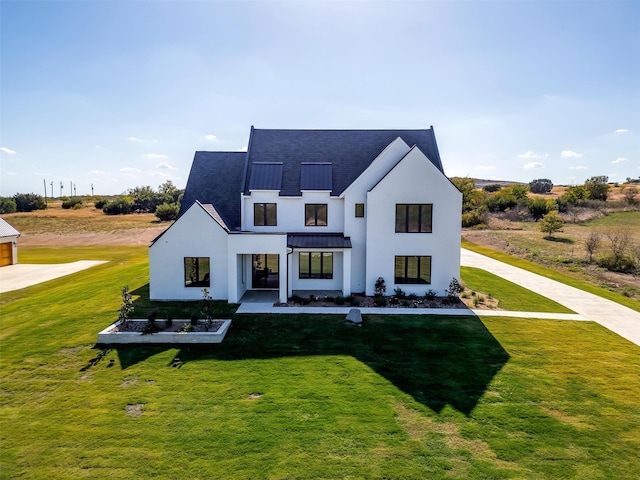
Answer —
(630, 194)
(592, 243)
(620, 241)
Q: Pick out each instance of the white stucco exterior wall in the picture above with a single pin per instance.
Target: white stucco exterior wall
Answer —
(356, 227)
(413, 180)
(291, 212)
(194, 234)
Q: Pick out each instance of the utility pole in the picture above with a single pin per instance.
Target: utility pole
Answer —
(52, 190)
(75, 194)
(46, 203)
(70, 188)
(61, 187)
(92, 189)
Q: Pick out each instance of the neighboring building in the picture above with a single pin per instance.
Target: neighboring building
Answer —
(8, 244)
(310, 210)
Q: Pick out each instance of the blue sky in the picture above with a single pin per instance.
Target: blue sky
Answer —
(121, 94)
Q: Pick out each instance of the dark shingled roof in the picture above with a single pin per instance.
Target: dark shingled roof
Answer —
(318, 240)
(315, 176)
(266, 176)
(216, 179)
(350, 152)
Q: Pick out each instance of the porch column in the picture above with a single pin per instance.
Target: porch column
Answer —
(346, 272)
(232, 278)
(284, 273)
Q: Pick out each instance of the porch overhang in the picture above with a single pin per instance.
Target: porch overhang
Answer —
(318, 240)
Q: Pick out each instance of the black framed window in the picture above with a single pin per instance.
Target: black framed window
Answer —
(414, 217)
(359, 210)
(411, 269)
(315, 265)
(197, 272)
(315, 214)
(265, 214)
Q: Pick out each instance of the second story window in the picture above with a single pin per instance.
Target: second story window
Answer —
(413, 217)
(315, 214)
(265, 214)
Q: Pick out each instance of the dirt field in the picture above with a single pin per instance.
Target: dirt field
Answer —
(56, 227)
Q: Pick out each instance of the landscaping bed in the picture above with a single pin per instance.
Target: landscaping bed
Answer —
(362, 301)
(164, 332)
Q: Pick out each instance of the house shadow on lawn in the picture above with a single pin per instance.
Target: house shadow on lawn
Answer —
(437, 360)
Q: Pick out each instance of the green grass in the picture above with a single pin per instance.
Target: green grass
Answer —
(511, 296)
(553, 274)
(307, 396)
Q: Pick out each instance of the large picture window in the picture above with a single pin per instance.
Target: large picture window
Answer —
(412, 270)
(316, 265)
(315, 214)
(197, 272)
(265, 214)
(413, 217)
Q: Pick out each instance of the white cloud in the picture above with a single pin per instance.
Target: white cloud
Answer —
(243, 149)
(579, 167)
(98, 172)
(166, 166)
(141, 140)
(10, 174)
(8, 151)
(532, 165)
(130, 169)
(620, 160)
(155, 156)
(210, 137)
(529, 154)
(621, 130)
(485, 167)
(570, 154)
(98, 146)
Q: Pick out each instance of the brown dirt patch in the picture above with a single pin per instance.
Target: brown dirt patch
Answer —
(134, 410)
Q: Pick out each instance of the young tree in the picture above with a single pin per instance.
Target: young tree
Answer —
(551, 223)
(592, 243)
(541, 185)
(597, 187)
(538, 207)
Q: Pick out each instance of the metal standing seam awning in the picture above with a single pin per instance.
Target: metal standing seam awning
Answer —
(318, 240)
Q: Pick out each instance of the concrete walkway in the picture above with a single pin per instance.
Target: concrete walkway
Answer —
(15, 277)
(256, 307)
(617, 318)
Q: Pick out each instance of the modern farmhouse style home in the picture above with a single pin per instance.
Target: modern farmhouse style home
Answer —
(310, 210)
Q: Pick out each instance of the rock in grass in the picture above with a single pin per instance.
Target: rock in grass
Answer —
(354, 316)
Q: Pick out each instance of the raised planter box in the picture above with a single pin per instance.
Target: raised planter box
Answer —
(111, 335)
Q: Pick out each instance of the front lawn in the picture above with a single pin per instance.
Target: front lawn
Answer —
(292, 396)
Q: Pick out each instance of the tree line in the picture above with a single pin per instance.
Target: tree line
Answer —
(163, 202)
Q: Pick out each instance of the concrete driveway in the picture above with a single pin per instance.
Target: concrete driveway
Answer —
(15, 277)
(617, 318)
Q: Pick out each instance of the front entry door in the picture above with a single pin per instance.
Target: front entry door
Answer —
(265, 271)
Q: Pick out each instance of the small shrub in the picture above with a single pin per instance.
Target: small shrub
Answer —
(167, 212)
(492, 187)
(188, 327)
(100, 203)
(412, 296)
(455, 288)
(194, 319)
(118, 206)
(72, 203)
(169, 320)
(206, 307)
(7, 205)
(380, 287)
(339, 300)
(399, 293)
(28, 202)
(474, 218)
(405, 303)
(380, 301)
(394, 300)
(430, 295)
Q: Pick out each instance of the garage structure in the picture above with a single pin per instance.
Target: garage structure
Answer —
(8, 244)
